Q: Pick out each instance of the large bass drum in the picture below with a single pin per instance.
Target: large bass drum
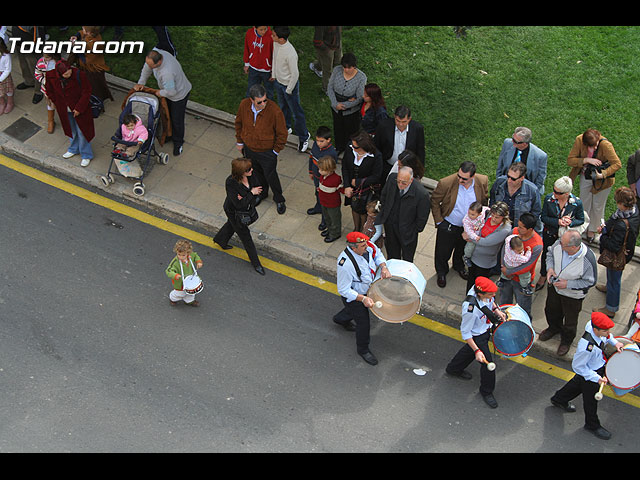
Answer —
(399, 297)
(623, 368)
(515, 336)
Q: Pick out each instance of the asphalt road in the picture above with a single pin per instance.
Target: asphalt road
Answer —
(94, 359)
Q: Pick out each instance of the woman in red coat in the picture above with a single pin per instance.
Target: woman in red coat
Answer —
(70, 90)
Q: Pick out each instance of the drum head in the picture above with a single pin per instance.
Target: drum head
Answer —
(623, 369)
(399, 297)
(515, 336)
(192, 284)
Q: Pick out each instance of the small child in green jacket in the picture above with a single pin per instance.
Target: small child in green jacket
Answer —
(181, 266)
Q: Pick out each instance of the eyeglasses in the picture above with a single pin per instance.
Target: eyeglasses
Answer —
(464, 179)
(514, 179)
(559, 193)
(517, 142)
(248, 170)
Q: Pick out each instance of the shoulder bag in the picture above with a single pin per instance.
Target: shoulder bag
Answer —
(615, 260)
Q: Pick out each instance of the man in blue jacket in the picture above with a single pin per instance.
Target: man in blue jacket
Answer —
(520, 194)
(519, 148)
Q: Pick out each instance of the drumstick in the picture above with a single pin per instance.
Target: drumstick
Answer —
(598, 396)
(490, 365)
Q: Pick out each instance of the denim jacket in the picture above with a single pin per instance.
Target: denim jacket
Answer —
(527, 199)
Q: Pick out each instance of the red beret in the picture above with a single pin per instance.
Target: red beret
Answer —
(357, 237)
(601, 321)
(484, 285)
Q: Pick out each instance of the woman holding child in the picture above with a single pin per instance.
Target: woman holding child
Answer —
(493, 233)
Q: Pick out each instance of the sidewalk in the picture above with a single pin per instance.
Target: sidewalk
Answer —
(191, 188)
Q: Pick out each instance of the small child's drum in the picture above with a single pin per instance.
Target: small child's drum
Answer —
(397, 298)
(192, 284)
(515, 336)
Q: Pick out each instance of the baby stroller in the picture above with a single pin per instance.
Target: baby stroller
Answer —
(147, 107)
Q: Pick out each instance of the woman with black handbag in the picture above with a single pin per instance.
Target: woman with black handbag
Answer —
(361, 174)
(240, 209)
(617, 244)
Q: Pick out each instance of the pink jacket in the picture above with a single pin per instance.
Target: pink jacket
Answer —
(138, 134)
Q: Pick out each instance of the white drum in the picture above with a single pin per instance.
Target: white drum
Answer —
(398, 298)
(623, 368)
(515, 336)
(191, 284)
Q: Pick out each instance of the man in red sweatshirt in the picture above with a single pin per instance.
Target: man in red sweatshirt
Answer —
(258, 53)
(526, 231)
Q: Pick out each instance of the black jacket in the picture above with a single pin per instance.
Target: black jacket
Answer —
(415, 207)
(385, 133)
(613, 239)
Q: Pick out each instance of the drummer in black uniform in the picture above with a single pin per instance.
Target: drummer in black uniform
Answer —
(357, 266)
(588, 364)
(479, 312)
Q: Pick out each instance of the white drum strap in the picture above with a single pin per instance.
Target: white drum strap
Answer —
(195, 272)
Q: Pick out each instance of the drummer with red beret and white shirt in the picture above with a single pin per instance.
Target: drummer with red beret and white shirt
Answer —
(475, 327)
(588, 364)
(356, 270)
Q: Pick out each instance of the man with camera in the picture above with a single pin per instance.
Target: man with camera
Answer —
(571, 271)
(595, 160)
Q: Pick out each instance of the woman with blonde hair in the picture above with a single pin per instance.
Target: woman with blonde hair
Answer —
(561, 209)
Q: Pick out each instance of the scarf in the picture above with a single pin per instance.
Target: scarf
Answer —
(623, 213)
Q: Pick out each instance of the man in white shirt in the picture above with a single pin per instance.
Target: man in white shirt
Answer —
(286, 74)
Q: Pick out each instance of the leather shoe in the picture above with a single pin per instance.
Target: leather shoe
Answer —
(329, 239)
(349, 326)
(313, 211)
(540, 286)
(324, 233)
(464, 375)
(259, 269)
(369, 358)
(600, 432)
(224, 247)
(463, 274)
(569, 407)
(322, 226)
(442, 281)
(545, 335)
(281, 207)
(490, 400)
(606, 311)
(562, 350)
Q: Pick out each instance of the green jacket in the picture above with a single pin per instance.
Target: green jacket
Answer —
(173, 270)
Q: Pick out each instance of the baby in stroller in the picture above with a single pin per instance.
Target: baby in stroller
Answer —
(134, 133)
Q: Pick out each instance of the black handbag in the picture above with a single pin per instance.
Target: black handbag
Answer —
(248, 217)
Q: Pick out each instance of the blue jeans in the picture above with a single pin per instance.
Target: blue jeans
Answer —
(613, 290)
(78, 143)
(290, 106)
(260, 77)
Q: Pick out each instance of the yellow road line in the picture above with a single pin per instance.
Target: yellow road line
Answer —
(285, 270)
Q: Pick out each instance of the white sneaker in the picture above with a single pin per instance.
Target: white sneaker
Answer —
(85, 162)
(68, 155)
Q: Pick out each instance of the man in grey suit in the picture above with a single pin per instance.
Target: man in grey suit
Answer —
(405, 211)
(519, 148)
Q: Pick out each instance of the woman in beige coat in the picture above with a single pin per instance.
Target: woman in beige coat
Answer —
(594, 159)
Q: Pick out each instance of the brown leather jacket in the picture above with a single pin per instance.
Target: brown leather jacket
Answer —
(267, 132)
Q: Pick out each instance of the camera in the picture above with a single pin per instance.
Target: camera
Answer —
(590, 170)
